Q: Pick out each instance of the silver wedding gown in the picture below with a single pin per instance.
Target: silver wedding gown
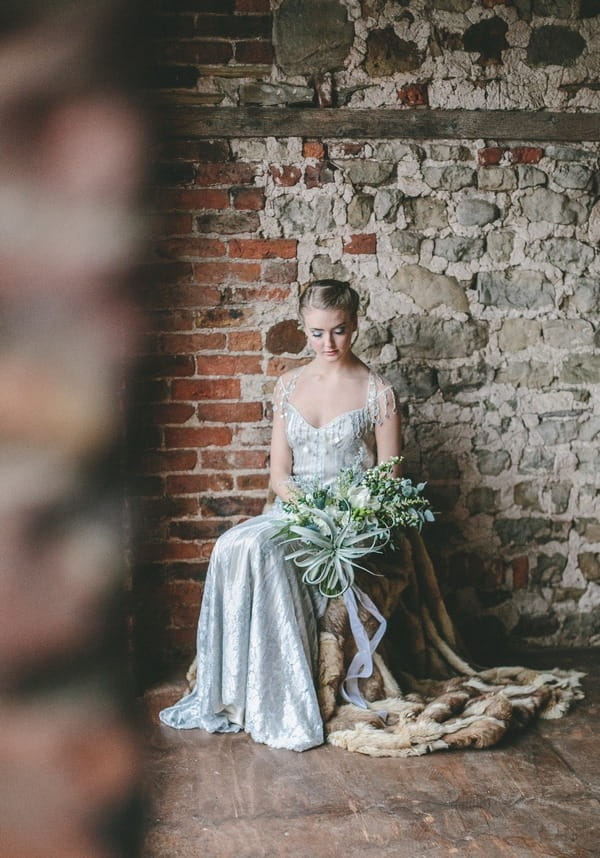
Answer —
(257, 634)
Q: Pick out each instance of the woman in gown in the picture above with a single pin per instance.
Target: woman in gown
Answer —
(257, 643)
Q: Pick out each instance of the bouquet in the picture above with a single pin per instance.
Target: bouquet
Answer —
(332, 527)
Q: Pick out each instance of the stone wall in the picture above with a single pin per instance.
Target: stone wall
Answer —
(478, 270)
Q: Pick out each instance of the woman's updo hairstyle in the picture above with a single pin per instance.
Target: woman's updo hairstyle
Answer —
(329, 295)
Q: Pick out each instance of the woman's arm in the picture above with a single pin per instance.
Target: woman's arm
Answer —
(281, 455)
(388, 429)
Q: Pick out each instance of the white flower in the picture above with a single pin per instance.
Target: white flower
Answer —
(359, 497)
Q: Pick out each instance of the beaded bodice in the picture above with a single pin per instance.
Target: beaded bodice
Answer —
(320, 453)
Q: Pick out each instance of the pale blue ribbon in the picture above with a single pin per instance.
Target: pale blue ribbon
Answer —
(361, 666)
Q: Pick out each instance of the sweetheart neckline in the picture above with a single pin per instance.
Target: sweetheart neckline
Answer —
(329, 422)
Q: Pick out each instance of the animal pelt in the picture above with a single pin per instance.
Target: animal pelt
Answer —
(432, 698)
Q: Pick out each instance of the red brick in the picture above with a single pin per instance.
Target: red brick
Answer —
(193, 484)
(206, 528)
(353, 148)
(183, 296)
(250, 294)
(280, 272)
(205, 388)
(221, 317)
(413, 95)
(230, 412)
(490, 156)
(231, 506)
(145, 390)
(165, 272)
(182, 641)
(190, 248)
(254, 248)
(285, 177)
(196, 52)
(313, 149)
(278, 365)
(165, 320)
(526, 154)
(172, 223)
(226, 272)
(156, 510)
(191, 199)
(172, 412)
(249, 482)
(200, 436)
(162, 461)
(258, 51)
(234, 365)
(236, 173)
(366, 243)
(248, 199)
(244, 341)
(170, 366)
(317, 175)
(520, 567)
(177, 551)
(190, 343)
(233, 459)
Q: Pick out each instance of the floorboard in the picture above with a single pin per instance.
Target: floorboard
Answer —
(535, 796)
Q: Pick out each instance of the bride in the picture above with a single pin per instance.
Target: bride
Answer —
(271, 653)
(257, 635)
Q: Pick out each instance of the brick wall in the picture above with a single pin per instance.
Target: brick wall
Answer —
(240, 223)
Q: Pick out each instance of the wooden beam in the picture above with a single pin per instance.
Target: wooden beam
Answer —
(189, 121)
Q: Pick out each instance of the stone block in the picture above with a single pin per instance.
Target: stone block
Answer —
(572, 176)
(491, 463)
(497, 179)
(561, 152)
(405, 242)
(285, 337)
(533, 374)
(529, 177)
(415, 382)
(426, 213)
(323, 268)
(275, 94)
(567, 254)
(366, 171)
(586, 294)
(423, 336)
(527, 496)
(360, 209)
(548, 569)
(559, 497)
(590, 429)
(567, 333)
(299, 216)
(388, 54)
(550, 206)
(558, 431)
(459, 248)
(449, 152)
(534, 459)
(311, 36)
(482, 499)
(589, 564)
(581, 369)
(588, 528)
(536, 625)
(551, 8)
(428, 289)
(518, 334)
(487, 38)
(552, 45)
(515, 288)
(460, 378)
(387, 203)
(520, 531)
(476, 212)
(499, 245)
(451, 178)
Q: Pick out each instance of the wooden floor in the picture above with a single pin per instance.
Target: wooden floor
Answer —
(537, 796)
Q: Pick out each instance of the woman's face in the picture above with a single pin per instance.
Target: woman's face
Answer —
(329, 332)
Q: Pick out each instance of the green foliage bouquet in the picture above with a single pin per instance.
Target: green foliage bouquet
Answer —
(332, 527)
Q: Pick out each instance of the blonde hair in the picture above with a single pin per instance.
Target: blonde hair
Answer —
(329, 295)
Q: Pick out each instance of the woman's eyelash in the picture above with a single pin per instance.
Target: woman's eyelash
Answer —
(320, 333)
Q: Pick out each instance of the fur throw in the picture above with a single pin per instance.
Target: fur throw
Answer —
(455, 706)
